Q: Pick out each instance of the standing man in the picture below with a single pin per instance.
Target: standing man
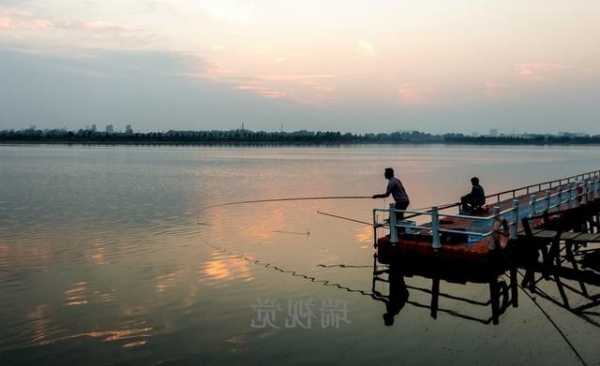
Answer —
(396, 189)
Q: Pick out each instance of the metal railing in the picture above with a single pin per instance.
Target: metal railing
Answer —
(433, 226)
(571, 191)
(534, 188)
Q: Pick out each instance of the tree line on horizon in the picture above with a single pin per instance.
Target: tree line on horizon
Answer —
(243, 136)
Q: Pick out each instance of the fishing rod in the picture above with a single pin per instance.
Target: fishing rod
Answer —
(283, 199)
(344, 218)
(360, 221)
(307, 233)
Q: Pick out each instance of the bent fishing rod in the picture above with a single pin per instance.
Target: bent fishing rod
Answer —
(284, 199)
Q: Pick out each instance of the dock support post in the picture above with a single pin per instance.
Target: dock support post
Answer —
(393, 224)
(435, 228)
(531, 205)
(496, 217)
(514, 286)
(515, 224)
(375, 225)
(435, 296)
(495, 300)
(572, 195)
(547, 201)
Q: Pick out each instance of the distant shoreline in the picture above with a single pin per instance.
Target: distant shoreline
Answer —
(282, 143)
(242, 137)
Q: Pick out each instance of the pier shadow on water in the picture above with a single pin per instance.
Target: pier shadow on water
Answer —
(391, 285)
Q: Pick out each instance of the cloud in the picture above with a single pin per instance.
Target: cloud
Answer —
(12, 20)
(5, 23)
(494, 88)
(409, 94)
(539, 71)
(366, 48)
(262, 91)
(302, 88)
(26, 30)
(102, 26)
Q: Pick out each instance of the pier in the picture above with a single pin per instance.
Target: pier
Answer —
(546, 231)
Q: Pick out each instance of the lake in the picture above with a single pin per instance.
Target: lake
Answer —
(108, 255)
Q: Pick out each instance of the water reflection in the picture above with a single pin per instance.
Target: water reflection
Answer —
(105, 246)
(76, 295)
(570, 280)
(223, 268)
(395, 292)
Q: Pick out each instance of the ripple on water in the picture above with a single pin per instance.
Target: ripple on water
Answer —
(222, 268)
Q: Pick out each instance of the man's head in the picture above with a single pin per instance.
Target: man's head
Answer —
(475, 181)
(389, 173)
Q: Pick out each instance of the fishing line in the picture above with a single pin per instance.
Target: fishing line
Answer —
(267, 265)
(306, 233)
(284, 199)
(554, 324)
(344, 218)
(343, 266)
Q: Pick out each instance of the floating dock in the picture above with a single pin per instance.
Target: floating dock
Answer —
(545, 229)
(471, 238)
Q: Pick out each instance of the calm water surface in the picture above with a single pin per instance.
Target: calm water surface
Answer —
(108, 257)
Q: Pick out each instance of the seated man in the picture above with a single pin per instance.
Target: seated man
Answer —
(473, 201)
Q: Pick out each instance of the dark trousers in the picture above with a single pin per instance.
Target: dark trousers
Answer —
(402, 205)
(469, 204)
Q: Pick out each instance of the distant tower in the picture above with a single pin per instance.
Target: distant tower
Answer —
(128, 129)
(494, 132)
(243, 126)
(110, 129)
(281, 130)
(93, 128)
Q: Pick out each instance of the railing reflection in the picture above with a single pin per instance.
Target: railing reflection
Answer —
(390, 286)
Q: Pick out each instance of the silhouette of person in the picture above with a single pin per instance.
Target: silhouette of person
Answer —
(475, 200)
(396, 189)
(398, 296)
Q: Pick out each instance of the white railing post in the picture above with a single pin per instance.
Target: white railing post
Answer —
(435, 228)
(393, 224)
(496, 213)
(515, 224)
(596, 187)
(531, 205)
(572, 195)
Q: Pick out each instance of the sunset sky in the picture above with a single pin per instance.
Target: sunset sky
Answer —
(464, 66)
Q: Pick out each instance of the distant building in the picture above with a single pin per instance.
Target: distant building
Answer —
(110, 129)
(572, 134)
(128, 129)
(494, 132)
(93, 128)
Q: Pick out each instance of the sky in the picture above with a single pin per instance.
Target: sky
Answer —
(358, 66)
